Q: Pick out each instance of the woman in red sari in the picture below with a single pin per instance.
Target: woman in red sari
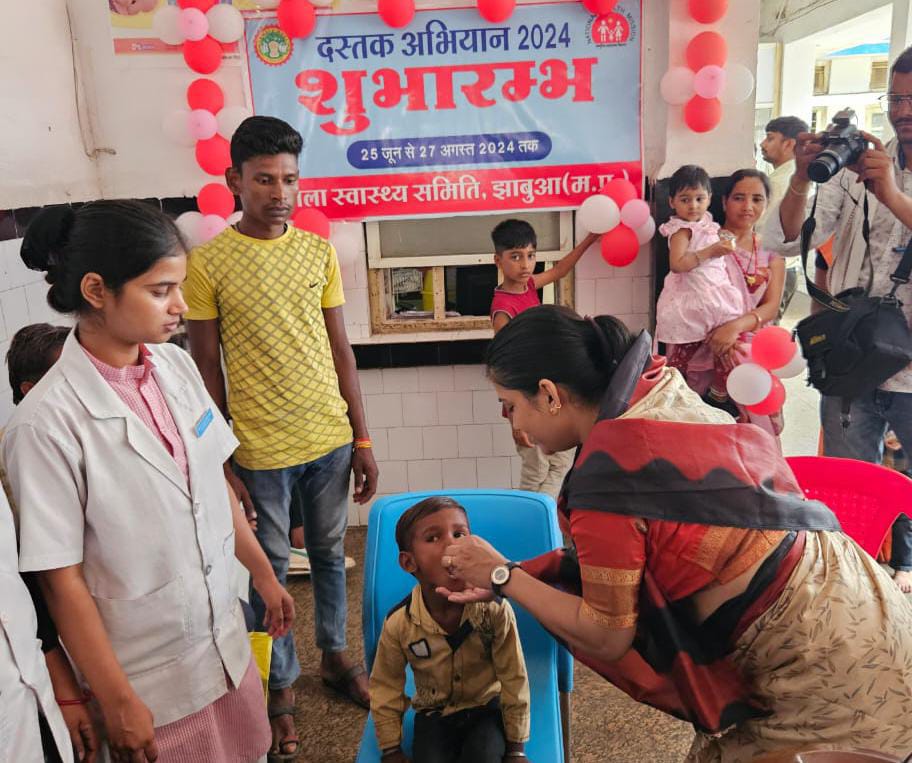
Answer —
(699, 581)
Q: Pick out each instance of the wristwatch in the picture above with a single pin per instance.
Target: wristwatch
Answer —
(500, 576)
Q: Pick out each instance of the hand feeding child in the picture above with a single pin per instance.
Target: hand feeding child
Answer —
(472, 694)
(698, 294)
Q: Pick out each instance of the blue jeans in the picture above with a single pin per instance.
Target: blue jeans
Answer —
(871, 416)
(323, 488)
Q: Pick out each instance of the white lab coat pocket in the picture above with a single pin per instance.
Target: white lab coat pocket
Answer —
(150, 631)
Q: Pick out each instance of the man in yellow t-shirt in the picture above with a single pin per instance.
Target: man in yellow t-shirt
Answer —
(269, 298)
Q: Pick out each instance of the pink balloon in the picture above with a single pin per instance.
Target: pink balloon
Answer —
(193, 24)
(635, 213)
(773, 347)
(211, 226)
(709, 82)
(202, 124)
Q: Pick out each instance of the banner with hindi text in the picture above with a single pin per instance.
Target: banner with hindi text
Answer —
(454, 115)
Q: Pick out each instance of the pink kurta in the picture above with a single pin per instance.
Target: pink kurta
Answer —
(234, 728)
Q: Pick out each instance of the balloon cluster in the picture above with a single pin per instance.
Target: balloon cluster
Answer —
(756, 385)
(399, 13)
(621, 217)
(201, 27)
(706, 82)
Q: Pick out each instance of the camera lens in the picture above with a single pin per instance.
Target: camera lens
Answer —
(824, 167)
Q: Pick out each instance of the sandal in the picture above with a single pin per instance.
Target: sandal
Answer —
(278, 753)
(343, 683)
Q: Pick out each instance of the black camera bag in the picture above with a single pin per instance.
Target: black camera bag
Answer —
(858, 342)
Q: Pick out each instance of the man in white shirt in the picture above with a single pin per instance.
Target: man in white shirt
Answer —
(778, 148)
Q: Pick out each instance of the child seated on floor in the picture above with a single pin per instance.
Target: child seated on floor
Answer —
(472, 694)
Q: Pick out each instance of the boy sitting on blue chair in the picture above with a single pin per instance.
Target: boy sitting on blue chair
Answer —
(472, 693)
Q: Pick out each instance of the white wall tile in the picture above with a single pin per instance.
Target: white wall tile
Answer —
(475, 441)
(357, 306)
(503, 439)
(435, 378)
(380, 440)
(471, 377)
(486, 408)
(455, 408)
(459, 473)
(612, 296)
(371, 381)
(425, 475)
(14, 306)
(16, 272)
(393, 477)
(6, 404)
(383, 410)
(419, 409)
(641, 290)
(406, 443)
(39, 309)
(494, 472)
(441, 442)
(641, 266)
(593, 265)
(585, 296)
(636, 323)
(400, 380)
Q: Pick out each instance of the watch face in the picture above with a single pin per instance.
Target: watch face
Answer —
(500, 575)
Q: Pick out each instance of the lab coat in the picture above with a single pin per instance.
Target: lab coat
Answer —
(25, 686)
(94, 485)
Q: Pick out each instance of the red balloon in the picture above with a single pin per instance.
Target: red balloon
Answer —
(203, 56)
(496, 11)
(708, 11)
(706, 49)
(213, 155)
(772, 402)
(203, 5)
(396, 13)
(296, 17)
(205, 94)
(620, 246)
(313, 220)
(620, 191)
(600, 7)
(773, 347)
(215, 199)
(703, 114)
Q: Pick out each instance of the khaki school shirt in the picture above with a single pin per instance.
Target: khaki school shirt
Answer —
(482, 661)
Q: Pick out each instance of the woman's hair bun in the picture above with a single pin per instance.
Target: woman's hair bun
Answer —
(45, 239)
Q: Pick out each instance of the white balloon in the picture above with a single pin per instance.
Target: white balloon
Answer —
(176, 126)
(646, 231)
(226, 24)
(166, 25)
(739, 84)
(677, 86)
(211, 226)
(749, 384)
(794, 367)
(234, 218)
(229, 119)
(599, 214)
(191, 225)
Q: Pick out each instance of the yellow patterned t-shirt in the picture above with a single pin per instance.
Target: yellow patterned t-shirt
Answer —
(268, 296)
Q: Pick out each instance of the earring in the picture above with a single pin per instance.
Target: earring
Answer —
(555, 409)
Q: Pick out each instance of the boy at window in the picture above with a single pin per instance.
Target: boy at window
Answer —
(515, 244)
(471, 690)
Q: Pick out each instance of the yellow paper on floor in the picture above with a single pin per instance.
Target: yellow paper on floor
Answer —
(261, 646)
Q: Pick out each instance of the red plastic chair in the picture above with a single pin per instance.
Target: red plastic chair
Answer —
(865, 497)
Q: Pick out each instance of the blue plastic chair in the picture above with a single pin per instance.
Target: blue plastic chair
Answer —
(520, 525)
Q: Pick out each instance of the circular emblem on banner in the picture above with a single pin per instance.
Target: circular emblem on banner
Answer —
(273, 47)
(610, 29)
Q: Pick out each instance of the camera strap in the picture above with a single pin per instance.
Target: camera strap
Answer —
(900, 276)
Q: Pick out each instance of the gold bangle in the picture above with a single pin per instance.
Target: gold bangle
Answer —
(791, 188)
(362, 444)
(759, 319)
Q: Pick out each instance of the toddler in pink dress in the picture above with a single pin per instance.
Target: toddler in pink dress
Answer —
(698, 295)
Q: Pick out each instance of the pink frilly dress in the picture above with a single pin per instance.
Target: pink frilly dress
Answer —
(694, 303)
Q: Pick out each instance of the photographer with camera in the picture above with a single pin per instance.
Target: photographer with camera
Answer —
(862, 184)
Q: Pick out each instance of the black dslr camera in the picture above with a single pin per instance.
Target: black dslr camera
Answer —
(843, 145)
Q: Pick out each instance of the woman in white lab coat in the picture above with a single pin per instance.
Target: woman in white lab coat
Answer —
(115, 464)
(25, 686)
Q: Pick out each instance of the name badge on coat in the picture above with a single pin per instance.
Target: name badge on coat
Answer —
(203, 424)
